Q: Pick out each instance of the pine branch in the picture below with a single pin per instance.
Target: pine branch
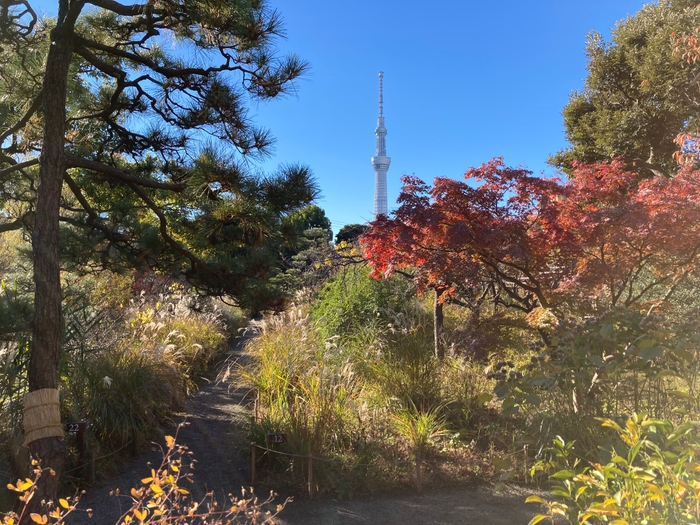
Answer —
(117, 174)
(18, 166)
(30, 112)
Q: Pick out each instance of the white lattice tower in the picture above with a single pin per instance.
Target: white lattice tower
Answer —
(380, 162)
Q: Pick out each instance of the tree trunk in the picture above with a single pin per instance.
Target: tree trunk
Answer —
(438, 324)
(48, 319)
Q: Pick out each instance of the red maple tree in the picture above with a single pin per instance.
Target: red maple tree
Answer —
(605, 237)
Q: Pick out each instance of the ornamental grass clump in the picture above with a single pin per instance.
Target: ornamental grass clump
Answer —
(421, 428)
(368, 413)
(301, 384)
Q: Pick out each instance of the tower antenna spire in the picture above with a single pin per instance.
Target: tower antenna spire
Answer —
(381, 93)
(380, 162)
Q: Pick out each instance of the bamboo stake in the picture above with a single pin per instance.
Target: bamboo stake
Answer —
(252, 464)
(311, 476)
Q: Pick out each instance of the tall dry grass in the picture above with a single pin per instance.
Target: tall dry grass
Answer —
(367, 406)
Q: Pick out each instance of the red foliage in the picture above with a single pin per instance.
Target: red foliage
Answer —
(604, 237)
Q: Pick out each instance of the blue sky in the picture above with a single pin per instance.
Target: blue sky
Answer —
(464, 81)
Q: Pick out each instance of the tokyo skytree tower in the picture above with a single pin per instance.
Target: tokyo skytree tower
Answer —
(380, 162)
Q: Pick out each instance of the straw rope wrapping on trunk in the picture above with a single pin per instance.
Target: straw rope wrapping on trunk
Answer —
(42, 415)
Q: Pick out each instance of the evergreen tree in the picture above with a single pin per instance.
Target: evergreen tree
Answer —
(638, 94)
(137, 153)
(350, 233)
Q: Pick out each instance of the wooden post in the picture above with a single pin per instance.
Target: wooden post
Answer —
(311, 476)
(252, 464)
(419, 481)
(91, 468)
(256, 406)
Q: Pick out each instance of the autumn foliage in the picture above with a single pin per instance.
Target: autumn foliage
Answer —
(603, 238)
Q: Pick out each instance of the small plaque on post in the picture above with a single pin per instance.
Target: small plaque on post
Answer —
(77, 427)
(273, 438)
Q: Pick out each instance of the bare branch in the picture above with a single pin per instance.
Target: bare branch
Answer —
(14, 225)
(194, 260)
(92, 214)
(165, 71)
(103, 66)
(124, 10)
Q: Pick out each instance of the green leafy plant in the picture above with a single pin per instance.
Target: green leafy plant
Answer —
(617, 363)
(353, 301)
(652, 477)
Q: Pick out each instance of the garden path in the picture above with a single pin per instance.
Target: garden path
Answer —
(216, 436)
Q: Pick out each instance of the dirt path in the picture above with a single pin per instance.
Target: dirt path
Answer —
(444, 507)
(216, 435)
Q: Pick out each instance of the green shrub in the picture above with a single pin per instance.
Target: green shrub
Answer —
(611, 365)
(652, 477)
(352, 302)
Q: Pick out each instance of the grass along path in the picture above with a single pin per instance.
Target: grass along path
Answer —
(217, 436)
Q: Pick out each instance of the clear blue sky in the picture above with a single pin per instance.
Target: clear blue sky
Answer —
(464, 81)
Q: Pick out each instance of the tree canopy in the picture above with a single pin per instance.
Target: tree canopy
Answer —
(607, 237)
(350, 233)
(638, 94)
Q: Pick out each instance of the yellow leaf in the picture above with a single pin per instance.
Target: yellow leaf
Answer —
(56, 513)
(25, 485)
(657, 493)
(170, 441)
(183, 491)
(146, 481)
(155, 488)
(534, 499)
(140, 515)
(537, 519)
(37, 518)
(63, 503)
(174, 468)
(135, 493)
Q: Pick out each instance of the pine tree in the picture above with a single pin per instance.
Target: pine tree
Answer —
(125, 134)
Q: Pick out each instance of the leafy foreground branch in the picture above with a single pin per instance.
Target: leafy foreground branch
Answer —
(160, 500)
(652, 477)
